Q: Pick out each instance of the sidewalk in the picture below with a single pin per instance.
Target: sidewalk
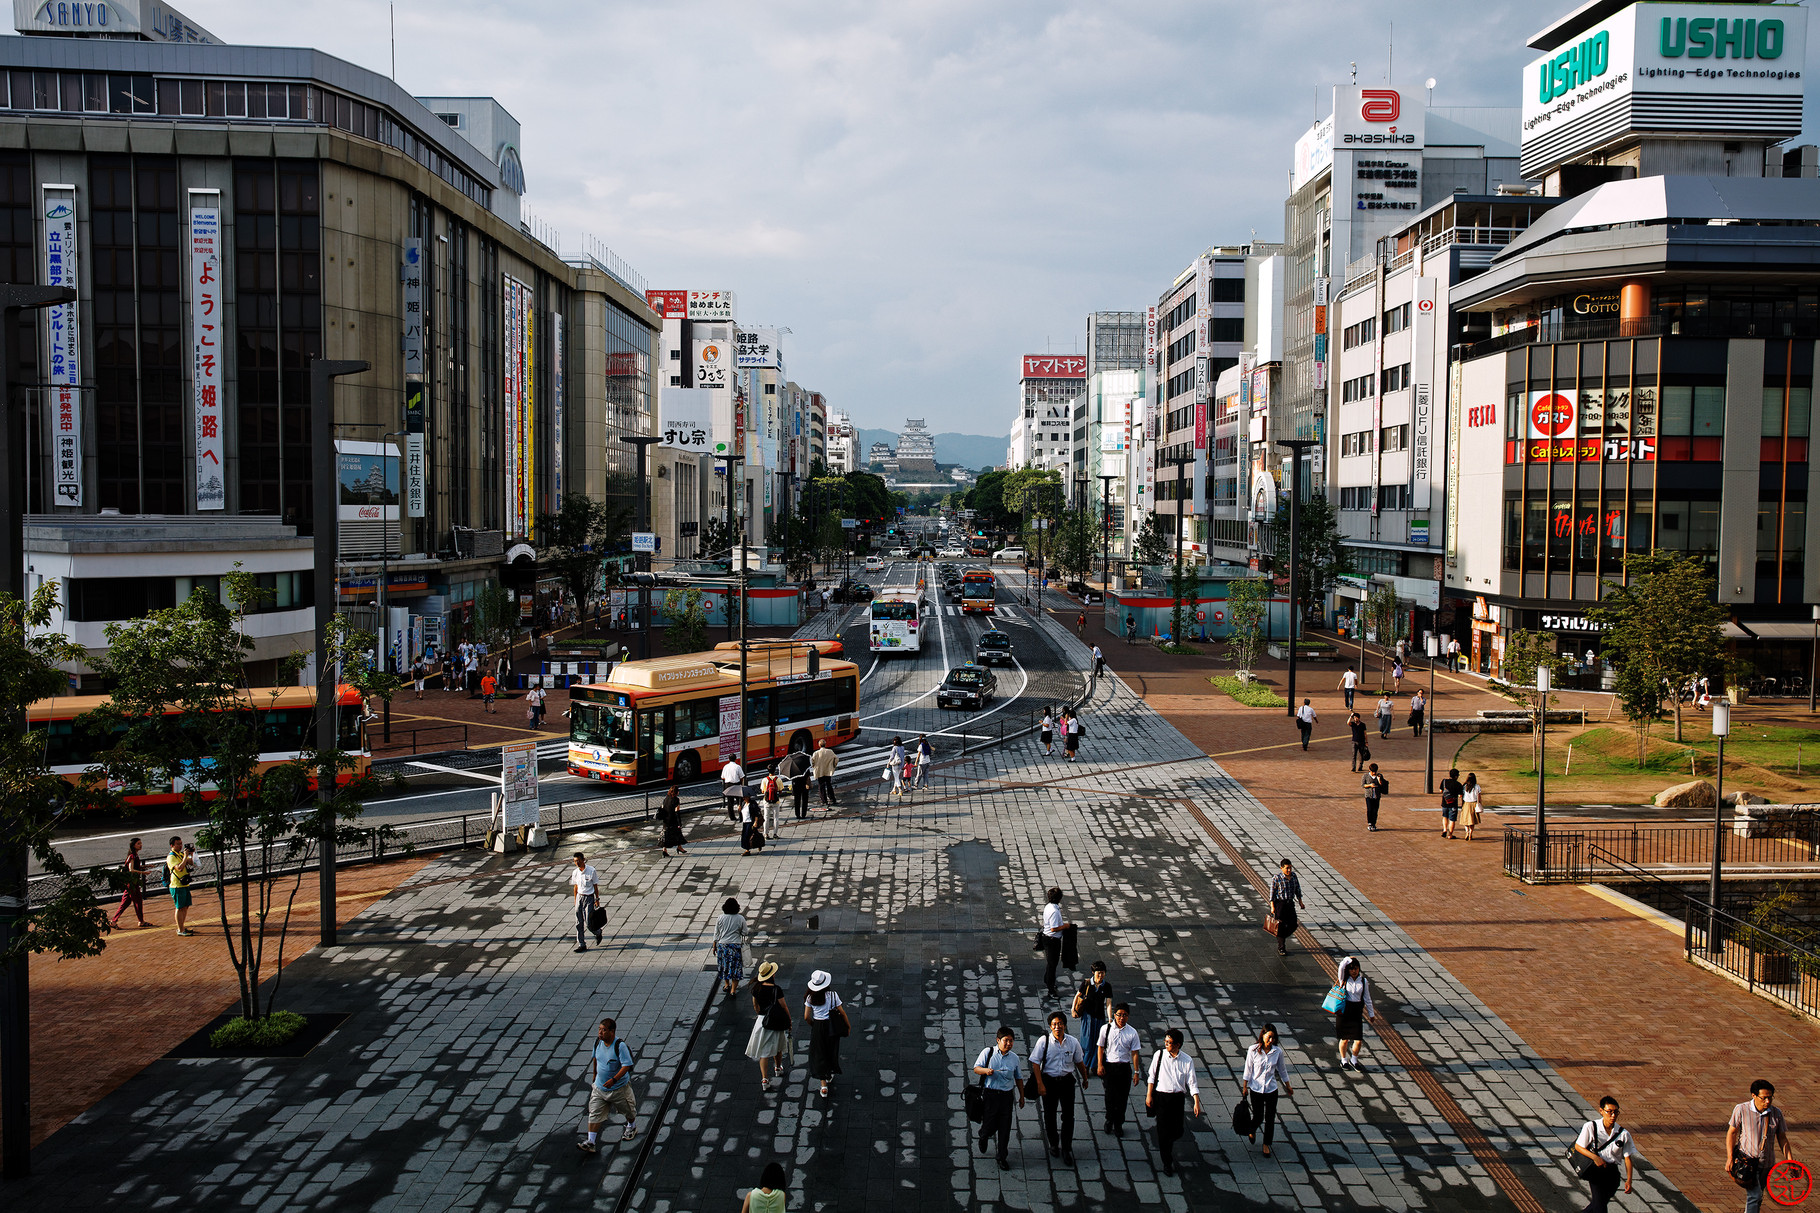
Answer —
(1605, 997)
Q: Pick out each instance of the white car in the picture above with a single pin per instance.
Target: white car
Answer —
(875, 564)
(900, 553)
(1009, 554)
(952, 554)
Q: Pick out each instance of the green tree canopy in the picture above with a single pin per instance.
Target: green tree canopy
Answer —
(1665, 621)
(1152, 545)
(1324, 555)
(577, 540)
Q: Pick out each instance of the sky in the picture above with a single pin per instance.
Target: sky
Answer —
(921, 191)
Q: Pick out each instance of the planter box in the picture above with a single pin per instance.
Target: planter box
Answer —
(1738, 694)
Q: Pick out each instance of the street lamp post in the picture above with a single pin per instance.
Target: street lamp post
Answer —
(1181, 466)
(1544, 683)
(1813, 666)
(1296, 446)
(1722, 727)
(642, 443)
(379, 595)
(15, 989)
(1105, 537)
(733, 462)
(1434, 651)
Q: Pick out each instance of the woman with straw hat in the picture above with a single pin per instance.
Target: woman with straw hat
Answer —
(770, 1039)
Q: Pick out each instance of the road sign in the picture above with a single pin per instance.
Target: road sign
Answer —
(644, 541)
(850, 523)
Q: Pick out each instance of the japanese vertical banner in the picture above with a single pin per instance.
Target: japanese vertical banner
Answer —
(412, 272)
(205, 347)
(64, 423)
(556, 403)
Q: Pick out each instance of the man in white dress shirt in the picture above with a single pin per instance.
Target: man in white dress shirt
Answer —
(1054, 1063)
(1118, 1046)
(586, 883)
(1053, 926)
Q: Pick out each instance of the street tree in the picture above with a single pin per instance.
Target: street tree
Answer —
(496, 613)
(577, 540)
(687, 628)
(1525, 652)
(182, 716)
(1323, 555)
(1247, 599)
(34, 802)
(1077, 540)
(718, 538)
(1665, 620)
(1153, 545)
(1378, 617)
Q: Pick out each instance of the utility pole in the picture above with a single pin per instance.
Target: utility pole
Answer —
(642, 443)
(1297, 446)
(326, 534)
(733, 462)
(379, 595)
(1181, 467)
(15, 988)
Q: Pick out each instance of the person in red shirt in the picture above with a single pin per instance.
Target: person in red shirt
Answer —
(488, 686)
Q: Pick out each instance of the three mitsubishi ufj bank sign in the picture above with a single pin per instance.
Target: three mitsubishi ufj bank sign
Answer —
(1667, 70)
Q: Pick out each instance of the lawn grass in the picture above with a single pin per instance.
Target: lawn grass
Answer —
(1252, 694)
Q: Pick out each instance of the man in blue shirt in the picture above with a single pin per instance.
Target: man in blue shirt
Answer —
(610, 1079)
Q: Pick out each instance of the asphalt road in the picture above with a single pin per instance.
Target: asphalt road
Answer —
(897, 698)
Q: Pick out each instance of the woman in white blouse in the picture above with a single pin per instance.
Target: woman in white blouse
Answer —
(1266, 1076)
(828, 1022)
(1172, 1085)
(1349, 1020)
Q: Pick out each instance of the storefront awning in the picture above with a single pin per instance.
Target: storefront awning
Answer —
(1781, 629)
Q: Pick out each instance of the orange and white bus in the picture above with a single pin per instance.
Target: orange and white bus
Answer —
(979, 590)
(286, 715)
(678, 717)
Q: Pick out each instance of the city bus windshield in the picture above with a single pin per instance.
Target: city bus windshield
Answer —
(894, 610)
(599, 724)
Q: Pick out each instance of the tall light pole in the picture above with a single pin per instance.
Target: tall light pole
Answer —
(326, 504)
(1296, 446)
(1434, 650)
(641, 443)
(1544, 683)
(733, 462)
(15, 988)
(1105, 536)
(1813, 666)
(385, 573)
(1722, 727)
(1175, 581)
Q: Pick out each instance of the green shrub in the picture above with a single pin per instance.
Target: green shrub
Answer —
(1178, 650)
(1251, 694)
(267, 1033)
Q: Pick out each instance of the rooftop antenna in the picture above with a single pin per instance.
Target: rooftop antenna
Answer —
(391, 11)
(1355, 72)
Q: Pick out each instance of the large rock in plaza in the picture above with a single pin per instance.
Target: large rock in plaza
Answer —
(1699, 794)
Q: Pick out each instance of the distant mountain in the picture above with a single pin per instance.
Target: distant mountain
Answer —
(971, 451)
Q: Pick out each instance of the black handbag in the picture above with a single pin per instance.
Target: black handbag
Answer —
(597, 917)
(838, 1023)
(777, 1016)
(1585, 1167)
(1747, 1172)
(1243, 1122)
(975, 1099)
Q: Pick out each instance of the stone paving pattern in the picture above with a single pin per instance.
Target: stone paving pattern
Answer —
(457, 1083)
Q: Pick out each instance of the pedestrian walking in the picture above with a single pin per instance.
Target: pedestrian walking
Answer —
(473, 673)
(1361, 752)
(535, 699)
(925, 755)
(1418, 710)
(1130, 629)
(769, 1042)
(732, 787)
(1355, 1008)
(1051, 938)
(1046, 733)
(1451, 791)
(1080, 624)
(768, 1197)
(1376, 788)
(730, 946)
(584, 882)
(1090, 1006)
(796, 776)
(1172, 1085)
(828, 1022)
(1055, 1061)
(894, 768)
(1073, 735)
(1396, 672)
(1349, 683)
(448, 674)
(1117, 1066)
(1001, 1072)
(1285, 900)
(669, 816)
(1453, 655)
(1602, 1142)
(1304, 721)
(489, 686)
(1470, 798)
(751, 826)
(1756, 1129)
(609, 1086)
(823, 765)
(1386, 710)
(132, 889)
(179, 866)
(1266, 1078)
(1099, 661)
(771, 788)
(418, 672)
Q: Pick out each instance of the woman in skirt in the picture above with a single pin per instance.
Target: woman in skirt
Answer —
(822, 1010)
(1349, 1020)
(730, 946)
(669, 816)
(1470, 797)
(767, 1045)
(1046, 733)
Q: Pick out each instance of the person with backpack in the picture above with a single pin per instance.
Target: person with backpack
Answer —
(1090, 1006)
(132, 893)
(1001, 1072)
(1054, 1063)
(1451, 792)
(1602, 1143)
(1376, 788)
(609, 1086)
(772, 789)
(796, 772)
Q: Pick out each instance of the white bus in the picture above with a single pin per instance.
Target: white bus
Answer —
(897, 621)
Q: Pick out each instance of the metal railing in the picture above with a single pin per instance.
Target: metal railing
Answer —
(1771, 954)
(457, 739)
(1582, 854)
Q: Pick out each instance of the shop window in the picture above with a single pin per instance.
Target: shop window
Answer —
(1709, 412)
(1560, 534)
(1513, 532)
